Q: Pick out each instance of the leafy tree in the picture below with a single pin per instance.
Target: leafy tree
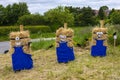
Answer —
(104, 8)
(1, 14)
(115, 17)
(13, 12)
(87, 17)
(32, 19)
(101, 14)
(58, 16)
(113, 10)
(76, 12)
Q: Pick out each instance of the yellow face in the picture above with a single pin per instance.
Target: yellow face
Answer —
(99, 33)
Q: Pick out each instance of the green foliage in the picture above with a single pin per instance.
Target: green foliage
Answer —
(111, 30)
(43, 44)
(58, 16)
(109, 16)
(101, 14)
(115, 17)
(76, 12)
(4, 31)
(1, 14)
(83, 16)
(87, 17)
(11, 13)
(82, 35)
(32, 19)
(104, 8)
(42, 35)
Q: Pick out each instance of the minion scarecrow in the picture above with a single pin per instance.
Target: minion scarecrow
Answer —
(99, 41)
(20, 46)
(64, 44)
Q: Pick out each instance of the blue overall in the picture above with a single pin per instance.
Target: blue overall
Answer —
(98, 49)
(64, 53)
(21, 60)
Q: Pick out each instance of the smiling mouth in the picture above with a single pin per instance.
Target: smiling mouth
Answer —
(18, 43)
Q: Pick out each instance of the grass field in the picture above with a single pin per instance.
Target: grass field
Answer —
(84, 67)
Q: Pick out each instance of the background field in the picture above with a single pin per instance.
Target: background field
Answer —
(85, 67)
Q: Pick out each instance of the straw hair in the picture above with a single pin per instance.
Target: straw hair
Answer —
(69, 33)
(103, 36)
(59, 31)
(24, 40)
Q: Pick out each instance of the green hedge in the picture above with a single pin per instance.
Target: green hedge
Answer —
(33, 29)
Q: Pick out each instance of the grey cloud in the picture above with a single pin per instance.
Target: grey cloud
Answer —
(42, 6)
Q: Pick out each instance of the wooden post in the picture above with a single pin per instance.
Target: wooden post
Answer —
(65, 25)
(101, 23)
(114, 43)
(115, 37)
(21, 27)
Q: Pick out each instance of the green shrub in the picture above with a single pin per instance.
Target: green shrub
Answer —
(32, 19)
(43, 44)
(33, 29)
(82, 35)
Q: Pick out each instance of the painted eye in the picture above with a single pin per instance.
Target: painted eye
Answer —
(98, 33)
(101, 32)
(62, 36)
(17, 38)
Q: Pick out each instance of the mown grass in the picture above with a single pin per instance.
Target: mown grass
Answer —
(84, 67)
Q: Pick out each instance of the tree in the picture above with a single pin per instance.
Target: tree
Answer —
(32, 19)
(115, 17)
(87, 17)
(1, 14)
(113, 10)
(101, 14)
(58, 16)
(104, 8)
(76, 12)
(13, 12)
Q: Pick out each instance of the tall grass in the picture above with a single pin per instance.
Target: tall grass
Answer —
(42, 35)
(43, 44)
(111, 30)
(82, 35)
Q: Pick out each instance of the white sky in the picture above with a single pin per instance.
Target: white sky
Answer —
(41, 6)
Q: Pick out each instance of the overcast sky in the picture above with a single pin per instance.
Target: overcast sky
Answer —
(41, 6)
